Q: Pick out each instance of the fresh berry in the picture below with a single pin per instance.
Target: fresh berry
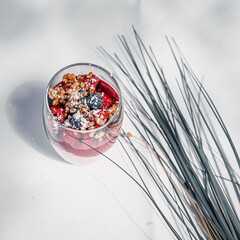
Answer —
(59, 112)
(91, 117)
(107, 101)
(94, 101)
(101, 117)
(75, 122)
(104, 87)
(63, 85)
(50, 101)
(79, 121)
(91, 82)
(76, 100)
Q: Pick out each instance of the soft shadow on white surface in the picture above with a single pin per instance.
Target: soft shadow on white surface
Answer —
(24, 112)
(23, 19)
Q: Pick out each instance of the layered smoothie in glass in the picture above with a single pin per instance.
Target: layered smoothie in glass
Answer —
(82, 112)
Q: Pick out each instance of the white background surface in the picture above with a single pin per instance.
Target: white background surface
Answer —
(41, 196)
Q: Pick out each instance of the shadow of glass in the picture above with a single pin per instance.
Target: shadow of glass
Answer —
(24, 112)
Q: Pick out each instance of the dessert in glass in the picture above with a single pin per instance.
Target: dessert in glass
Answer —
(82, 112)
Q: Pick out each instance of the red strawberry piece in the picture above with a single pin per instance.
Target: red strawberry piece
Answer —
(59, 84)
(104, 87)
(92, 82)
(97, 126)
(66, 85)
(101, 118)
(91, 118)
(107, 101)
(63, 85)
(59, 112)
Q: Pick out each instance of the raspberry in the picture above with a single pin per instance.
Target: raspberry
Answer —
(107, 101)
(59, 112)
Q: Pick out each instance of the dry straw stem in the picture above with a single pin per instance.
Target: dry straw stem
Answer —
(194, 203)
(188, 138)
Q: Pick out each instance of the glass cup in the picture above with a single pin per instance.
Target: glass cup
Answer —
(76, 146)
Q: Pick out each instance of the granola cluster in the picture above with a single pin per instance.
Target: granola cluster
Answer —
(82, 102)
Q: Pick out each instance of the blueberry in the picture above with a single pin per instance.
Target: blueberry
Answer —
(78, 121)
(75, 122)
(94, 101)
(50, 101)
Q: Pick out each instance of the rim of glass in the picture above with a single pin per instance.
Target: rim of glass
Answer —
(98, 67)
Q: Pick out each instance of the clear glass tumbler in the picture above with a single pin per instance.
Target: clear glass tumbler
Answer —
(76, 146)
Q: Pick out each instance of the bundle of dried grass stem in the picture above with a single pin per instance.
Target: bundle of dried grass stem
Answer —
(185, 140)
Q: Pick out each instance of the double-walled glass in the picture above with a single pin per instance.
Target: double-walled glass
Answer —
(76, 146)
